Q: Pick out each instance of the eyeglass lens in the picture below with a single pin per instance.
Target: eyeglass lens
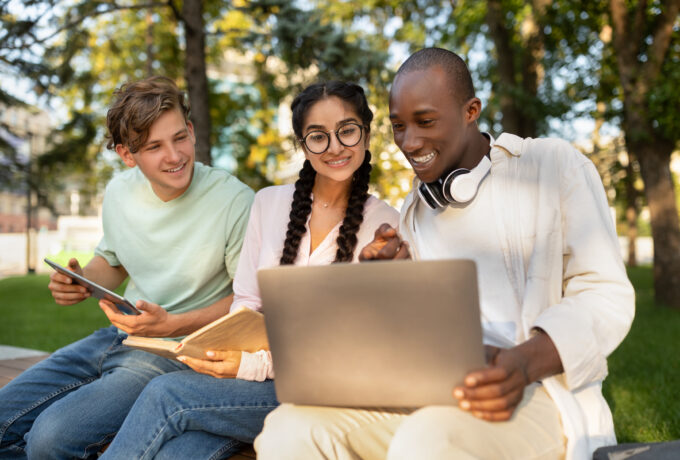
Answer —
(348, 135)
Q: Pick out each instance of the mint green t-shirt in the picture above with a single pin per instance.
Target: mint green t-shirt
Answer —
(181, 254)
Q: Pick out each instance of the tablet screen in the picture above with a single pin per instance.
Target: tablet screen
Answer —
(97, 291)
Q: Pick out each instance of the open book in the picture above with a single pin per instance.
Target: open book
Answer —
(242, 329)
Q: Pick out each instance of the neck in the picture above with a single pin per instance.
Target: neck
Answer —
(477, 148)
(331, 194)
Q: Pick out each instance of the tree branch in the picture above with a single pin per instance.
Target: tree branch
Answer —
(661, 41)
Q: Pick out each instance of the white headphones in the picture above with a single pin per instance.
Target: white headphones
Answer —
(458, 186)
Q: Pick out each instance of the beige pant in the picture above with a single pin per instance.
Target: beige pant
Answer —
(436, 432)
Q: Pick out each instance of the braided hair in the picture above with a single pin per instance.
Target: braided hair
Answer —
(302, 199)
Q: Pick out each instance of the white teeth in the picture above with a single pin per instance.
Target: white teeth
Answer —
(423, 158)
(337, 162)
(176, 169)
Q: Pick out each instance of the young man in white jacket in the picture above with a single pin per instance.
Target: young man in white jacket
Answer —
(554, 296)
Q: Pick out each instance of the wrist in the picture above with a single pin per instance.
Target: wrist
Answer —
(540, 357)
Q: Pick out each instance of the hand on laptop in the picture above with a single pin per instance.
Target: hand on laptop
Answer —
(495, 392)
(153, 322)
(386, 245)
(64, 290)
(220, 364)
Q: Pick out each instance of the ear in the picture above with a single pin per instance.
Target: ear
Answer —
(367, 138)
(125, 155)
(190, 128)
(473, 109)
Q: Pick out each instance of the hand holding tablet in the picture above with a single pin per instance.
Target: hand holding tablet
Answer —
(97, 291)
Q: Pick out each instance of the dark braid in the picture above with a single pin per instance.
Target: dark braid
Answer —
(302, 202)
(354, 214)
(299, 211)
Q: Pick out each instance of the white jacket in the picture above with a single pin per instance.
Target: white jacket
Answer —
(562, 256)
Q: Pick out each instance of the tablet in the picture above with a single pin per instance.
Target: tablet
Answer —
(123, 305)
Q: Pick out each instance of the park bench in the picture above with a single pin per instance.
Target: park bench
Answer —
(10, 368)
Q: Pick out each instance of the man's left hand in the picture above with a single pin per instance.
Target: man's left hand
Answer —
(495, 392)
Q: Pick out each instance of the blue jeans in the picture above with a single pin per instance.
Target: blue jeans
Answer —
(73, 403)
(187, 415)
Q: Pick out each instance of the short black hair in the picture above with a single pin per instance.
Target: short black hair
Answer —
(460, 81)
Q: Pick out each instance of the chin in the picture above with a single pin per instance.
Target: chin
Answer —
(427, 176)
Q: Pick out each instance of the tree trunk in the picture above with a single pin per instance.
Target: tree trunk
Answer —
(655, 170)
(196, 78)
(519, 68)
(149, 43)
(631, 213)
(643, 142)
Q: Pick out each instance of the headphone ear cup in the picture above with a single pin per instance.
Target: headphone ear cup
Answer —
(431, 195)
(452, 187)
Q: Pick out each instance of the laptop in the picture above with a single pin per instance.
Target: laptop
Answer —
(376, 334)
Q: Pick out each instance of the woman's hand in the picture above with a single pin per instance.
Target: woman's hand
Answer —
(220, 364)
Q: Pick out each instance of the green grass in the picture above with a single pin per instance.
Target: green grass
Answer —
(644, 372)
(31, 318)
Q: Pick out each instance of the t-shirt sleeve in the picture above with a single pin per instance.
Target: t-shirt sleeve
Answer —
(238, 222)
(106, 248)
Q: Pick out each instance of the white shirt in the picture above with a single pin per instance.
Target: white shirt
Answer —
(468, 231)
(262, 247)
(562, 257)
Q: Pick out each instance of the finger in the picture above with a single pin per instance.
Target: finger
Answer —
(74, 265)
(55, 286)
(403, 252)
(496, 416)
(221, 355)
(118, 319)
(69, 296)
(148, 307)
(385, 231)
(389, 251)
(200, 365)
(485, 376)
(490, 353)
(61, 278)
(505, 402)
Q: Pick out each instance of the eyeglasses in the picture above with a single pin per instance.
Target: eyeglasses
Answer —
(348, 135)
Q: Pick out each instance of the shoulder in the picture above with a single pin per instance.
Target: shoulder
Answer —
(377, 210)
(276, 199)
(127, 182)
(216, 181)
(276, 192)
(553, 149)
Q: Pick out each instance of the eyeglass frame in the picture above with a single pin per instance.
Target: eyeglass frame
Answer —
(303, 141)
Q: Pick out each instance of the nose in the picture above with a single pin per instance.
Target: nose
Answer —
(410, 141)
(335, 146)
(172, 155)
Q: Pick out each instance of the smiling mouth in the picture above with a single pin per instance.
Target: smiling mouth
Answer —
(177, 169)
(340, 162)
(421, 160)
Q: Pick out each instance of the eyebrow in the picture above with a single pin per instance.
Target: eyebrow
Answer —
(153, 141)
(417, 113)
(338, 124)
